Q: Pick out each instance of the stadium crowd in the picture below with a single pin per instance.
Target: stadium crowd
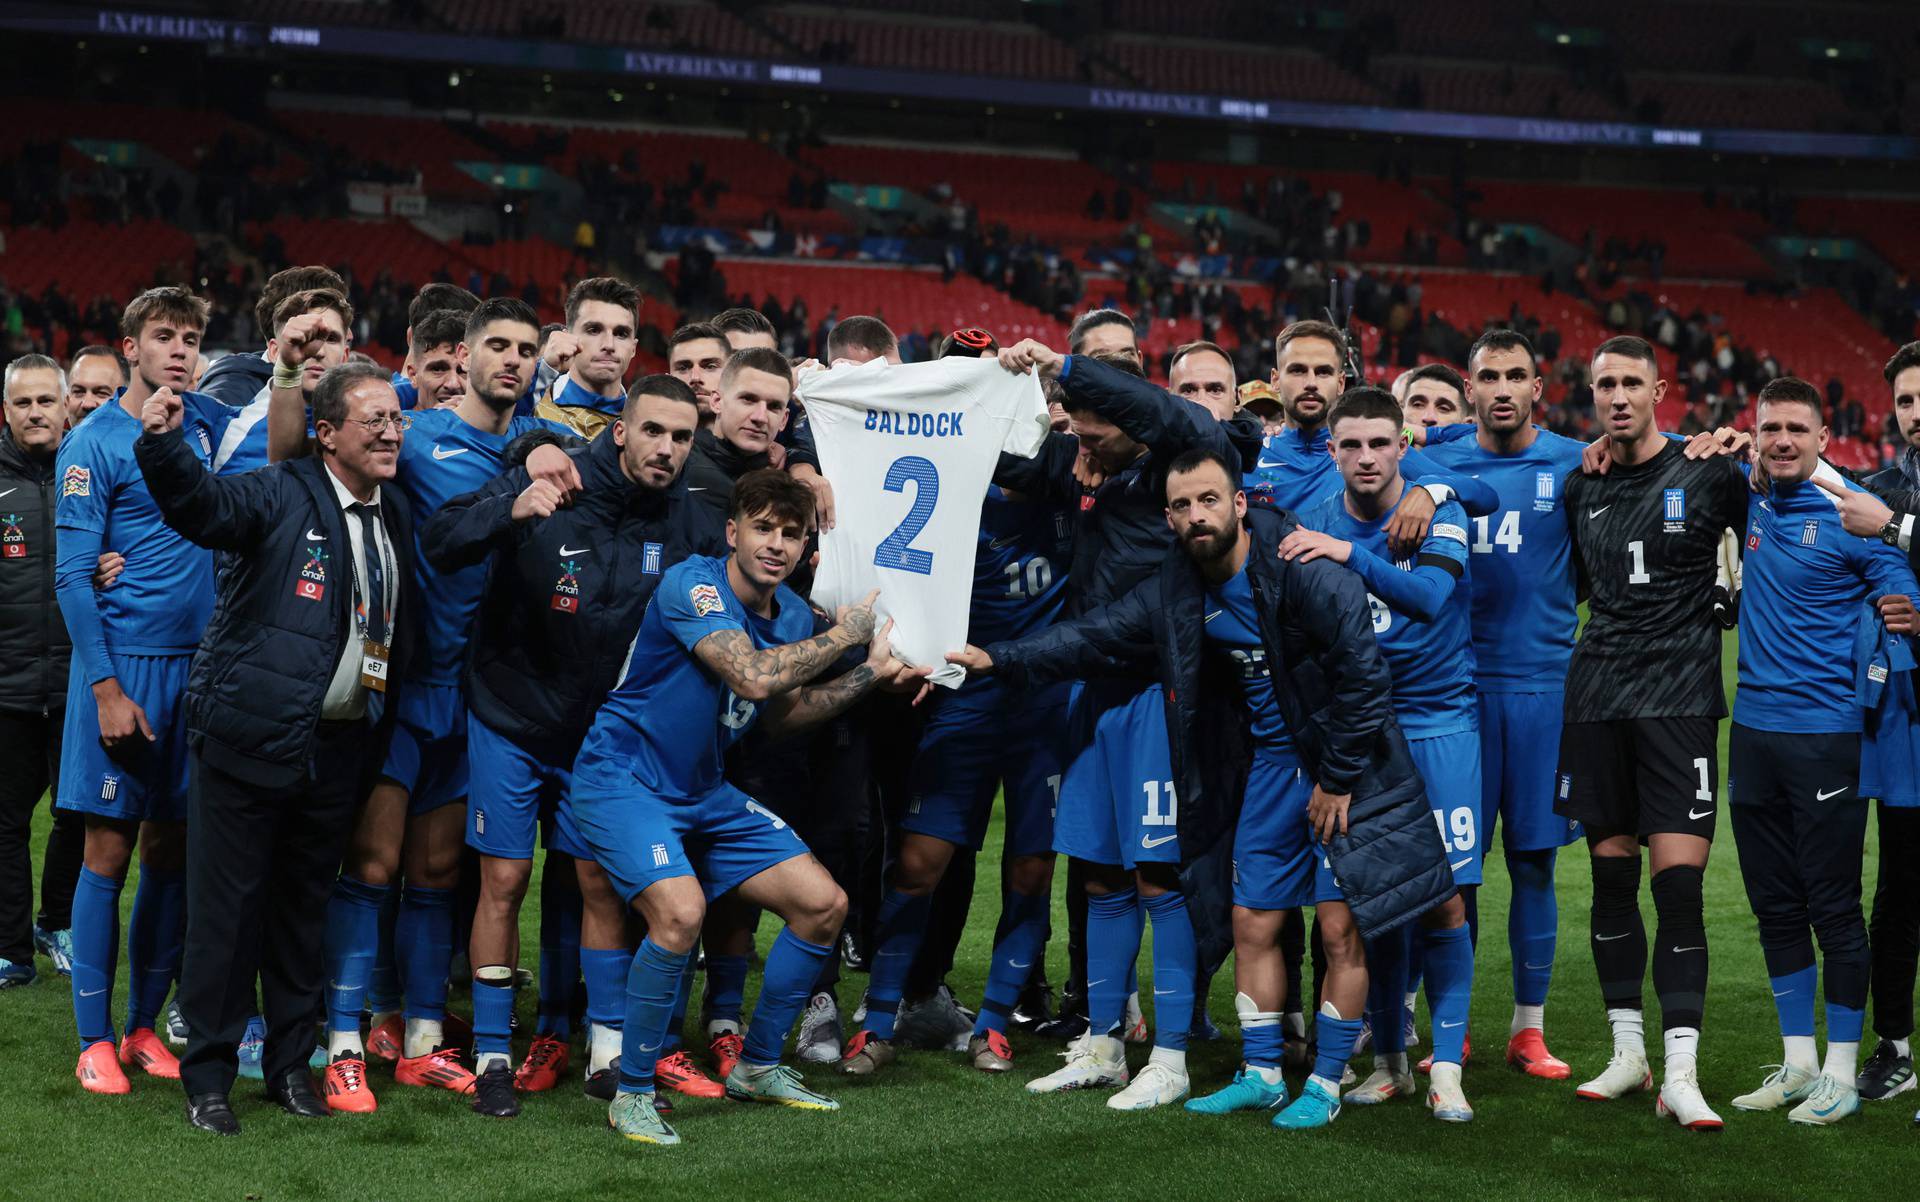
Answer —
(337, 651)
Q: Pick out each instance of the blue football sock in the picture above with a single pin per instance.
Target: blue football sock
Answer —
(351, 937)
(1113, 943)
(1793, 1002)
(785, 985)
(606, 971)
(1176, 962)
(652, 983)
(492, 1013)
(1013, 958)
(156, 932)
(1387, 958)
(1336, 1039)
(560, 909)
(96, 954)
(384, 992)
(423, 947)
(1262, 1040)
(902, 926)
(676, 1027)
(1449, 990)
(726, 987)
(1844, 1023)
(1533, 924)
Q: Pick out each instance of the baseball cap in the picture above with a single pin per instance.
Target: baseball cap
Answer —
(1255, 393)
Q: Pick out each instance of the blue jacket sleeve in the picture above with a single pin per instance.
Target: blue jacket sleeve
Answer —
(1084, 646)
(471, 526)
(1886, 571)
(1164, 423)
(1477, 497)
(223, 513)
(79, 551)
(1048, 476)
(1418, 594)
(1330, 605)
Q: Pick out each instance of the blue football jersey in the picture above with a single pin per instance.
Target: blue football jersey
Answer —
(670, 721)
(1804, 581)
(1295, 471)
(165, 593)
(1432, 662)
(1019, 567)
(1233, 626)
(1524, 615)
(441, 458)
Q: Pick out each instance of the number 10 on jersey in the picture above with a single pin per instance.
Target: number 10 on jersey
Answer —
(897, 550)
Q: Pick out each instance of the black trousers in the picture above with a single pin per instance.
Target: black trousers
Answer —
(1801, 830)
(30, 751)
(1895, 933)
(260, 866)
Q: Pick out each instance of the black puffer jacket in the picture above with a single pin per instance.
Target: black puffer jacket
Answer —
(1332, 687)
(565, 594)
(269, 652)
(34, 650)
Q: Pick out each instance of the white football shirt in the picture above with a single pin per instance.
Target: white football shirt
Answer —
(910, 449)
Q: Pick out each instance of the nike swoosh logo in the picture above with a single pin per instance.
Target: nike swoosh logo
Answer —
(893, 953)
(1162, 992)
(1017, 964)
(700, 488)
(1610, 938)
(1697, 815)
(1822, 795)
(645, 1048)
(1451, 1026)
(1457, 865)
(314, 536)
(9, 492)
(91, 992)
(1101, 981)
(1001, 544)
(1594, 513)
(439, 453)
(1703, 947)
(566, 550)
(1263, 465)
(1829, 1110)
(1216, 613)
(1148, 841)
(1537, 967)
(1781, 992)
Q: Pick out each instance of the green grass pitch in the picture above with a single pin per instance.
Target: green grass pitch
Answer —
(934, 1129)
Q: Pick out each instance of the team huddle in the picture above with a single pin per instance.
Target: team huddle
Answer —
(1237, 652)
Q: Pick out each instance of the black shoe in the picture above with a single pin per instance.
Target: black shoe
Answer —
(1034, 1009)
(1885, 1074)
(851, 954)
(601, 1086)
(1069, 1022)
(212, 1112)
(493, 1093)
(294, 1094)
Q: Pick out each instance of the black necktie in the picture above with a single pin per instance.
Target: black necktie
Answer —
(376, 602)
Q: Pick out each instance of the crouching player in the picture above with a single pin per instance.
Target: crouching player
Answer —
(723, 639)
(1419, 607)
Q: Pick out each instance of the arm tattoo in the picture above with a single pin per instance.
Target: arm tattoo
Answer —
(765, 674)
(819, 703)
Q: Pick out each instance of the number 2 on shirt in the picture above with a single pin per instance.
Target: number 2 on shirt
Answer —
(896, 550)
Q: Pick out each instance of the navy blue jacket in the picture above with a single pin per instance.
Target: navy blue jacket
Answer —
(1892, 486)
(554, 629)
(268, 653)
(1122, 532)
(237, 378)
(1332, 687)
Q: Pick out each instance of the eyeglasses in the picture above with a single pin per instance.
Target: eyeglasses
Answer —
(376, 426)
